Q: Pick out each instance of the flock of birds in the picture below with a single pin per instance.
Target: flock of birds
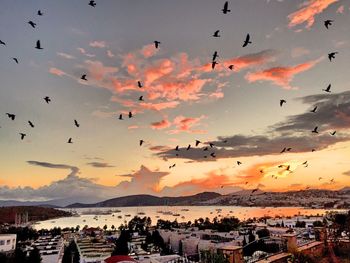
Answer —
(208, 146)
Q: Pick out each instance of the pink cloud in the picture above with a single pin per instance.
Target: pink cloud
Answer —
(133, 127)
(163, 124)
(159, 106)
(307, 12)
(98, 44)
(110, 54)
(57, 72)
(340, 9)
(148, 51)
(65, 55)
(281, 76)
(186, 124)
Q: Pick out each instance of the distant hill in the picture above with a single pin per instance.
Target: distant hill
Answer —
(150, 200)
(35, 213)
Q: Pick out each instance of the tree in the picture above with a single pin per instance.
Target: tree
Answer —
(262, 233)
(121, 244)
(112, 227)
(34, 256)
(19, 255)
(300, 224)
(71, 252)
(105, 227)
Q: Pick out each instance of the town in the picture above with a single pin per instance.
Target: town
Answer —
(224, 239)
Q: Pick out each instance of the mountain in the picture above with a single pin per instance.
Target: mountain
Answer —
(150, 200)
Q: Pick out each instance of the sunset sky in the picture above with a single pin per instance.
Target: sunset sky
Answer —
(184, 99)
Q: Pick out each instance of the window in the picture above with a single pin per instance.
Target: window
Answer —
(8, 242)
(2, 242)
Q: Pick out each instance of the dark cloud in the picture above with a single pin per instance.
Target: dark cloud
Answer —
(333, 114)
(100, 165)
(74, 169)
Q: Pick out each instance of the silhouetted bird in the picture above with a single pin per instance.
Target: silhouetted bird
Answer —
(11, 116)
(172, 166)
(23, 135)
(83, 77)
(139, 84)
(231, 67)
(315, 130)
(211, 144)
(328, 89)
(141, 142)
(197, 142)
(92, 3)
(38, 45)
(225, 10)
(328, 23)
(47, 99)
(332, 180)
(247, 41)
(313, 150)
(177, 148)
(15, 59)
(216, 33)
(213, 155)
(76, 123)
(156, 44)
(215, 56)
(213, 64)
(254, 190)
(205, 149)
(188, 147)
(319, 178)
(332, 55)
(32, 24)
(239, 163)
(304, 163)
(120, 116)
(281, 102)
(286, 149)
(31, 124)
(2, 43)
(141, 98)
(130, 114)
(40, 13)
(333, 133)
(70, 140)
(314, 110)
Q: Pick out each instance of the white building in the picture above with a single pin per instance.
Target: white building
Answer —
(7, 242)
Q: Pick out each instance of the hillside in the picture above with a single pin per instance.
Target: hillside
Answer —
(35, 213)
(150, 200)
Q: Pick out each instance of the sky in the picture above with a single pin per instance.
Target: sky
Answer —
(184, 99)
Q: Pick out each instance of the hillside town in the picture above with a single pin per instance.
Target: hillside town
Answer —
(223, 239)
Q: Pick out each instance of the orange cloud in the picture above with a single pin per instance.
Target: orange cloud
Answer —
(307, 12)
(184, 124)
(159, 106)
(281, 76)
(163, 124)
(148, 51)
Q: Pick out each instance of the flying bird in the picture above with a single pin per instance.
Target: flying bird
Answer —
(281, 102)
(328, 89)
(156, 44)
(40, 13)
(213, 155)
(23, 135)
(315, 130)
(333, 133)
(92, 3)
(197, 142)
(16, 60)
(70, 140)
(205, 149)
(332, 55)
(120, 116)
(47, 99)
(239, 163)
(247, 41)
(211, 145)
(216, 33)
(139, 84)
(141, 142)
(319, 178)
(32, 24)
(141, 98)
(172, 166)
(328, 23)
(231, 67)
(76, 123)
(83, 77)
(225, 10)
(215, 56)
(38, 45)
(314, 110)
(188, 147)
(254, 190)
(11, 116)
(213, 63)
(130, 114)
(2, 43)
(31, 124)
